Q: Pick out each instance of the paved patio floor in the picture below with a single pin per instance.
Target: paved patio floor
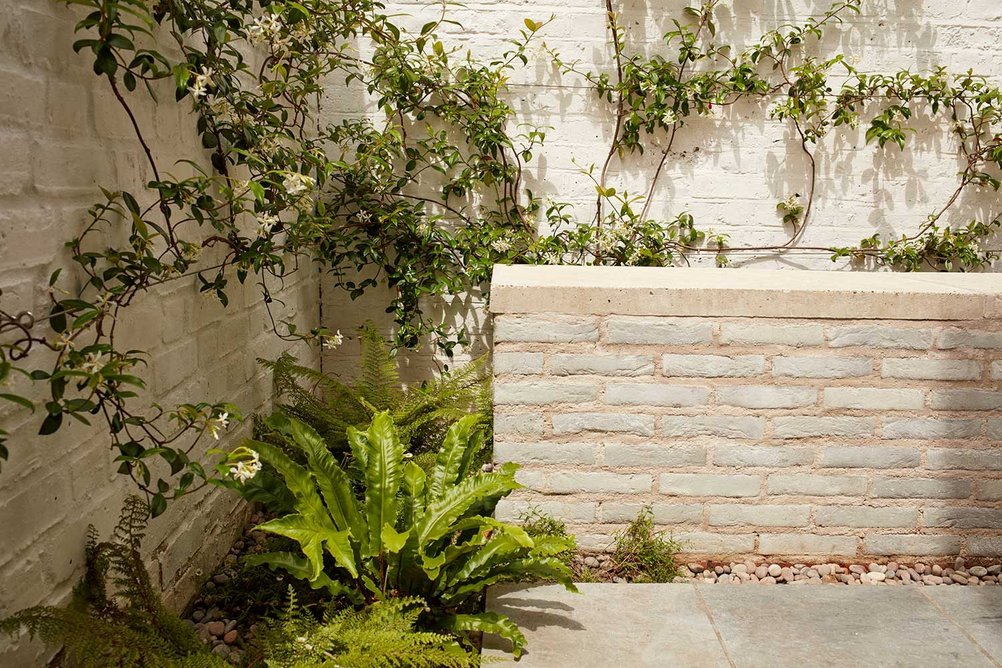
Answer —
(706, 626)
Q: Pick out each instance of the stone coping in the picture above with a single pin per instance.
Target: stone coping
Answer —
(745, 293)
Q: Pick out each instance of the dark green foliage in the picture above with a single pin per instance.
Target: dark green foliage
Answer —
(128, 627)
(378, 636)
(643, 554)
(421, 413)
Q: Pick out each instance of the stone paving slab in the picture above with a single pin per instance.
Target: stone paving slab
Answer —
(704, 626)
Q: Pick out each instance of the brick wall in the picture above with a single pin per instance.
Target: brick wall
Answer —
(731, 169)
(751, 412)
(61, 136)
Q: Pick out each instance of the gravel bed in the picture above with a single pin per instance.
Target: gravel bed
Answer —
(603, 568)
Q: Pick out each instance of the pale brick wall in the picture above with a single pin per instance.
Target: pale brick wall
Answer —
(728, 171)
(61, 135)
(799, 436)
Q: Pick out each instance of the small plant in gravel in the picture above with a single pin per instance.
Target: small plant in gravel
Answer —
(642, 554)
(410, 533)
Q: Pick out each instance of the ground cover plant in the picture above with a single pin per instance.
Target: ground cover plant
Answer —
(640, 553)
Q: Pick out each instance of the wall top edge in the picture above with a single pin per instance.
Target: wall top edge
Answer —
(775, 293)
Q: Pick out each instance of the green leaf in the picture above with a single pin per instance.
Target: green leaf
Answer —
(442, 513)
(455, 451)
(383, 474)
(489, 622)
(158, 504)
(50, 424)
(393, 541)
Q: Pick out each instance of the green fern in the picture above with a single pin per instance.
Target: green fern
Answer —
(130, 628)
(410, 532)
(421, 413)
(380, 635)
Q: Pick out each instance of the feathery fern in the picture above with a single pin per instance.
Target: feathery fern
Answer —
(421, 413)
(129, 628)
(378, 636)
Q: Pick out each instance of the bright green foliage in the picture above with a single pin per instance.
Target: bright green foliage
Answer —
(538, 524)
(378, 636)
(421, 413)
(411, 533)
(643, 554)
(126, 628)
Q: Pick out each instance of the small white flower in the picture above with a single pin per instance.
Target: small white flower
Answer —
(265, 223)
(551, 258)
(670, 117)
(200, 86)
(332, 342)
(296, 183)
(215, 425)
(64, 342)
(245, 470)
(501, 245)
(93, 363)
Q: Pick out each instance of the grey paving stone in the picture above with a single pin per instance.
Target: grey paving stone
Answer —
(668, 625)
(977, 610)
(607, 625)
(837, 627)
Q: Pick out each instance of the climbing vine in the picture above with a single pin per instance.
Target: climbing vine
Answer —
(424, 193)
(654, 97)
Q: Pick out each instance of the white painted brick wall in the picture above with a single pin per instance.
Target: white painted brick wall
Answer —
(728, 171)
(61, 136)
(776, 443)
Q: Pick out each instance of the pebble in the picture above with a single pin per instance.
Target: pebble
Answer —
(216, 628)
(891, 573)
(591, 562)
(230, 637)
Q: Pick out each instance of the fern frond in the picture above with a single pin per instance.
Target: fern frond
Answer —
(97, 631)
(381, 635)
(379, 380)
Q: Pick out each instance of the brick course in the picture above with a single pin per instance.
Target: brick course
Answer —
(765, 439)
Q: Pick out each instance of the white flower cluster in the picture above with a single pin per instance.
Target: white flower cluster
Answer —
(246, 469)
(271, 30)
(265, 29)
(501, 245)
(265, 223)
(297, 184)
(93, 363)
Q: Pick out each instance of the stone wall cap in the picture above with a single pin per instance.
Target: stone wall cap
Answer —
(774, 293)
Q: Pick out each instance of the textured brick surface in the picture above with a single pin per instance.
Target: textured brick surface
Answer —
(64, 135)
(757, 436)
